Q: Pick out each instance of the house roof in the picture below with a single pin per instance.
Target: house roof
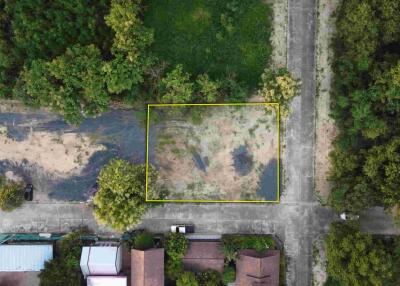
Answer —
(147, 267)
(203, 255)
(30, 257)
(254, 269)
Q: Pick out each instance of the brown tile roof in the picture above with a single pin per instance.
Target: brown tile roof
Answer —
(253, 269)
(147, 267)
(203, 255)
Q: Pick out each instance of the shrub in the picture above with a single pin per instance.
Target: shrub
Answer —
(279, 86)
(173, 269)
(176, 245)
(260, 243)
(230, 252)
(209, 278)
(229, 275)
(176, 87)
(143, 241)
(187, 279)
(11, 195)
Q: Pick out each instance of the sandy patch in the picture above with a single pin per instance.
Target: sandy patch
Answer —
(325, 127)
(319, 263)
(64, 154)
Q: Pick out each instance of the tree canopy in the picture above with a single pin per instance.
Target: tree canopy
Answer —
(356, 259)
(120, 200)
(366, 105)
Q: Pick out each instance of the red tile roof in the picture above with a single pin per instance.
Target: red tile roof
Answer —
(203, 255)
(147, 267)
(254, 269)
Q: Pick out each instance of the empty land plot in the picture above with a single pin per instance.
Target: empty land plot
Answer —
(214, 152)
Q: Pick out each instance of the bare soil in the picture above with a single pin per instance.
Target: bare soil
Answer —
(325, 126)
(214, 141)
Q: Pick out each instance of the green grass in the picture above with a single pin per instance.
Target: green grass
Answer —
(221, 38)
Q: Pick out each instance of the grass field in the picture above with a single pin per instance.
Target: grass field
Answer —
(215, 152)
(222, 38)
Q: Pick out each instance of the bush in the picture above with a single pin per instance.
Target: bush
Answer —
(173, 269)
(143, 241)
(279, 86)
(11, 195)
(229, 275)
(187, 279)
(260, 243)
(209, 278)
(175, 245)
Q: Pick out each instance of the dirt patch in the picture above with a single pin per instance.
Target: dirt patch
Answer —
(325, 127)
(64, 155)
(221, 158)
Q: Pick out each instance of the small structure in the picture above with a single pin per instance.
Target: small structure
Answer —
(203, 255)
(101, 260)
(147, 267)
(107, 281)
(24, 258)
(253, 268)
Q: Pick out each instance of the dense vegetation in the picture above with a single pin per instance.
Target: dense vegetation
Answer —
(64, 269)
(366, 105)
(357, 259)
(77, 56)
(11, 194)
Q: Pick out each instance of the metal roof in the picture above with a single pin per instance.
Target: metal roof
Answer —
(16, 258)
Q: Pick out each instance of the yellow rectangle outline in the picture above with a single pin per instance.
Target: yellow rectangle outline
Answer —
(212, 104)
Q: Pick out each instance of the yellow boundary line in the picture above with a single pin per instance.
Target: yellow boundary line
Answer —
(213, 104)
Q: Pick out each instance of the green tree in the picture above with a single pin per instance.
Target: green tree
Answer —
(173, 269)
(175, 245)
(72, 84)
(44, 29)
(120, 200)
(11, 194)
(382, 167)
(279, 86)
(176, 87)
(208, 90)
(187, 279)
(131, 39)
(356, 259)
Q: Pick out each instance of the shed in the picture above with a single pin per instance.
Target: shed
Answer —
(101, 260)
(147, 267)
(203, 255)
(107, 281)
(22, 258)
(253, 268)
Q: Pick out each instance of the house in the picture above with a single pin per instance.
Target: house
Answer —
(24, 257)
(147, 267)
(203, 255)
(103, 260)
(253, 268)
